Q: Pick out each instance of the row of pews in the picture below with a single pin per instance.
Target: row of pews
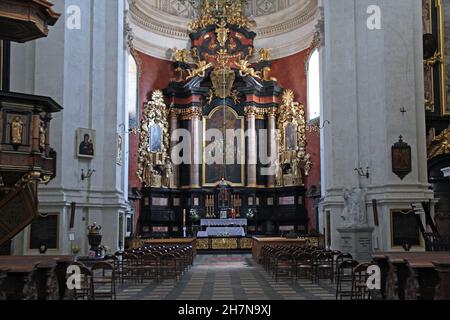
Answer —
(414, 275)
(33, 277)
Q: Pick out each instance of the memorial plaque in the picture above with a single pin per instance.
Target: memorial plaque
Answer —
(405, 228)
(44, 231)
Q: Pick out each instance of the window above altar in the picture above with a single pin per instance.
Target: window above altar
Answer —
(314, 98)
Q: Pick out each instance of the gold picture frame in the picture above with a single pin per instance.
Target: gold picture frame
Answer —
(444, 39)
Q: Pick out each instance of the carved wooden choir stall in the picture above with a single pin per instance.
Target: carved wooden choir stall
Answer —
(217, 90)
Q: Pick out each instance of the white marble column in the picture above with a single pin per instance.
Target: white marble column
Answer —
(195, 118)
(252, 148)
(173, 127)
(369, 76)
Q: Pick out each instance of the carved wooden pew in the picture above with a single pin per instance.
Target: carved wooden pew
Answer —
(34, 277)
(412, 275)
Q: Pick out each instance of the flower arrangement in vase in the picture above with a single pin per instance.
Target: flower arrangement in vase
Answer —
(94, 236)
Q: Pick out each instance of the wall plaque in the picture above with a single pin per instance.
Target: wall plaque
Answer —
(44, 231)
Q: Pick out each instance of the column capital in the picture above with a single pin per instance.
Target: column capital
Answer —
(189, 113)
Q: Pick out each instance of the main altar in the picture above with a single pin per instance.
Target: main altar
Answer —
(224, 140)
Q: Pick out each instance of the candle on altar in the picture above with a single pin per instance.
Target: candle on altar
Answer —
(184, 217)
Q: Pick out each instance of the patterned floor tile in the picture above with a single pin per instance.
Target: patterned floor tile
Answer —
(226, 277)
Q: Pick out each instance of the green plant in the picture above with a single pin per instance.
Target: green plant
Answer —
(76, 249)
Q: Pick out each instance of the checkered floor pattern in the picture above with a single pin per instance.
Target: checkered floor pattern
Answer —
(227, 277)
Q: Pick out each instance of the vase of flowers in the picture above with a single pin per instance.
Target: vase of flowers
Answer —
(195, 217)
(250, 214)
(94, 236)
(75, 249)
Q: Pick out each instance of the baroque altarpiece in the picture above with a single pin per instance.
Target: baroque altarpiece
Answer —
(220, 85)
(436, 30)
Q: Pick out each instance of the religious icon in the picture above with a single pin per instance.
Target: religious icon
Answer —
(291, 136)
(16, 131)
(155, 139)
(401, 158)
(86, 143)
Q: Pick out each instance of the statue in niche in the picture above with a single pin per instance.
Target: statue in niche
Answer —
(168, 173)
(42, 134)
(16, 130)
(355, 212)
(278, 173)
(296, 173)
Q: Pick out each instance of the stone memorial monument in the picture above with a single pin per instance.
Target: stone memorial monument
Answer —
(355, 233)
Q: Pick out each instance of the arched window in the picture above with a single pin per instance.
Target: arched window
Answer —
(314, 86)
(132, 94)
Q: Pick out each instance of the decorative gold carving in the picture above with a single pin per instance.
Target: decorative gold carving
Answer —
(259, 113)
(440, 144)
(231, 12)
(151, 163)
(222, 33)
(16, 131)
(181, 56)
(223, 80)
(235, 96)
(189, 113)
(225, 243)
(245, 70)
(436, 58)
(200, 70)
(203, 244)
(246, 243)
(264, 55)
(292, 140)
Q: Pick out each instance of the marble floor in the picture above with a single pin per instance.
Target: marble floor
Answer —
(227, 277)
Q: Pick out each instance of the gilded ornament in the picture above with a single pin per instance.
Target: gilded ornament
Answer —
(292, 140)
(200, 70)
(440, 144)
(151, 161)
(16, 130)
(181, 56)
(245, 70)
(222, 33)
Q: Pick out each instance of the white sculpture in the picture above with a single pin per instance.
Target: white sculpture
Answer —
(355, 212)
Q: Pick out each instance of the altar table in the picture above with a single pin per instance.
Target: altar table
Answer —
(223, 222)
(225, 231)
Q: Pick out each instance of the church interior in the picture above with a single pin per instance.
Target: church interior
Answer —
(224, 150)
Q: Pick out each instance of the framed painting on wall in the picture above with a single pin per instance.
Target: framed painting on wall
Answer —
(444, 49)
(86, 143)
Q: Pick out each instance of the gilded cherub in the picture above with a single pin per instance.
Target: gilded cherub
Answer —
(264, 54)
(200, 70)
(245, 70)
